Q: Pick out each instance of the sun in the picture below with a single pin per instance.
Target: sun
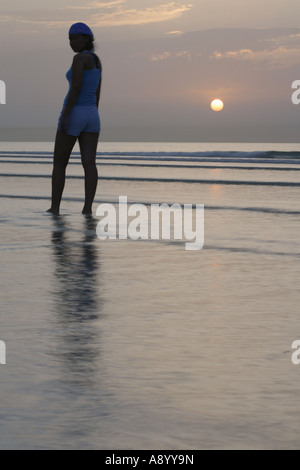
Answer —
(217, 105)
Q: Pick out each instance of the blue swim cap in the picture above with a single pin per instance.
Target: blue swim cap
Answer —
(81, 28)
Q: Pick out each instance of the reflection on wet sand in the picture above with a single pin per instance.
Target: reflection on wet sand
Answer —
(77, 301)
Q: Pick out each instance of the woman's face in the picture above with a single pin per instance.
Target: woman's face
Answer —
(77, 42)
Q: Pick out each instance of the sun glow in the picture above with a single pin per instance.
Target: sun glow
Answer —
(217, 105)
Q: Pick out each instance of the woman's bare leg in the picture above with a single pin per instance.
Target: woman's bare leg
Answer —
(88, 142)
(64, 145)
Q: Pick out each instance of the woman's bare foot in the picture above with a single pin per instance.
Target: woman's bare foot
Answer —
(53, 211)
(87, 211)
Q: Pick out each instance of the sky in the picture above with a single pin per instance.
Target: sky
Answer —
(163, 63)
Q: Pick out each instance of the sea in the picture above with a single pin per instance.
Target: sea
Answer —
(141, 344)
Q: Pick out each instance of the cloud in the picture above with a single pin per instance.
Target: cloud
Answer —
(114, 14)
(168, 55)
(159, 57)
(175, 33)
(281, 57)
(95, 5)
(287, 40)
(26, 31)
(133, 16)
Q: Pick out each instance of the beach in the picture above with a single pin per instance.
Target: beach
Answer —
(123, 344)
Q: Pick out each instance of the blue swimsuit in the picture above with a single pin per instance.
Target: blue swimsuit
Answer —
(84, 116)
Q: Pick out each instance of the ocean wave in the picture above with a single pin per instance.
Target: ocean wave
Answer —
(210, 154)
(163, 180)
(265, 210)
(162, 165)
(271, 154)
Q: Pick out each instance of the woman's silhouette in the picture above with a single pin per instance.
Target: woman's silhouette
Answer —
(79, 118)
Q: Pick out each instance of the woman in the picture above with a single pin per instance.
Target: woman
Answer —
(79, 118)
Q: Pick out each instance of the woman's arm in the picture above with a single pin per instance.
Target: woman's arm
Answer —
(98, 92)
(99, 87)
(77, 74)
